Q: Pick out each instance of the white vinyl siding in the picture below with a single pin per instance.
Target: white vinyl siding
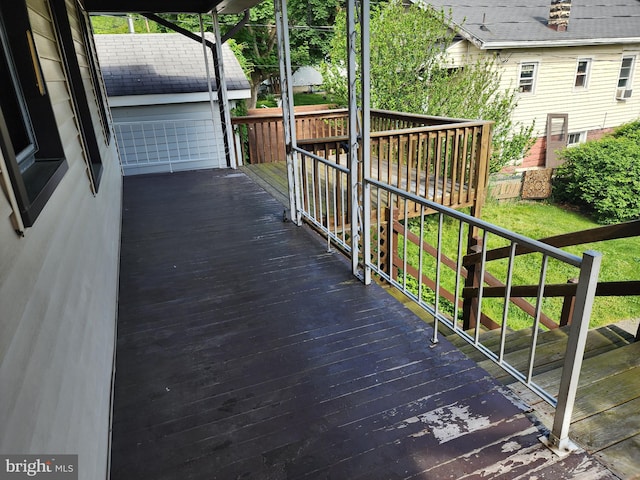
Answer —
(58, 290)
(591, 108)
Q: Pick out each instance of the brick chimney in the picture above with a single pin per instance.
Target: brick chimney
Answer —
(559, 15)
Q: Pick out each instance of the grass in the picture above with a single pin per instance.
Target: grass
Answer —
(312, 99)
(298, 99)
(621, 260)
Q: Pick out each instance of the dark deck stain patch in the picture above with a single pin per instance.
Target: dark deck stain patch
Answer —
(245, 350)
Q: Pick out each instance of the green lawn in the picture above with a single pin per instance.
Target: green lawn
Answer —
(311, 99)
(621, 259)
(298, 99)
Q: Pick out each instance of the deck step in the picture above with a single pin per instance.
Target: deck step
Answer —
(514, 341)
(550, 352)
(605, 420)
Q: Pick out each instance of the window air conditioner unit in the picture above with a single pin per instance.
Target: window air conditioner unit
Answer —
(623, 93)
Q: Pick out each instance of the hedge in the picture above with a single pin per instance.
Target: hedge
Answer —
(603, 176)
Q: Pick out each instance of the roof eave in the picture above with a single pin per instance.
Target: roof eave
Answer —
(510, 44)
(168, 6)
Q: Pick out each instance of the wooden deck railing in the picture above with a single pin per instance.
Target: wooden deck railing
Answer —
(260, 137)
(394, 263)
(566, 290)
(441, 159)
(445, 163)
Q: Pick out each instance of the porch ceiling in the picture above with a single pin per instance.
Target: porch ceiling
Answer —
(168, 6)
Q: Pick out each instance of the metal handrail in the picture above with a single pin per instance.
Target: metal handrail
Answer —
(589, 266)
(535, 245)
(329, 203)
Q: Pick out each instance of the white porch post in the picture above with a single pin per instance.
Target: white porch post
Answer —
(352, 79)
(587, 283)
(365, 140)
(223, 96)
(359, 129)
(208, 70)
(289, 121)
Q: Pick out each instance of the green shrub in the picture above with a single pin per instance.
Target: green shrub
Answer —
(630, 131)
(603, 176)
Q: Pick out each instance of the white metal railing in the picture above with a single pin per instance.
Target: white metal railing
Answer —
(390, 197)
(166, 142)
(324, 202)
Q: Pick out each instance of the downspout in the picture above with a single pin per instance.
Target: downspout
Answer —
(228, 147)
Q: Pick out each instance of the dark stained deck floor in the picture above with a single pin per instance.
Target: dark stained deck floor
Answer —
(246, 351)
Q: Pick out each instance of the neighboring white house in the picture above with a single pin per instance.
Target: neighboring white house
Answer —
(574, 63)
(159, 97)
(307, 79)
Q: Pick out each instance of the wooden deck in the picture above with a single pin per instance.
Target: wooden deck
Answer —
(272, 177)
(246, 351)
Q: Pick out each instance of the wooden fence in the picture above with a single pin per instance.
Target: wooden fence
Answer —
(260, 136)
(494, 288)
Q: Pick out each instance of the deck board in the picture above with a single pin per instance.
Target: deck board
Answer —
(246, 350)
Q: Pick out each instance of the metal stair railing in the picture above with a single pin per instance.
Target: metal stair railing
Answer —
(588, 266)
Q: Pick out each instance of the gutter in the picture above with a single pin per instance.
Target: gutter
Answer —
(557, 43)
(511, 44)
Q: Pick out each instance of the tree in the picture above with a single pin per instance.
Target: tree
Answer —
(410, 73)
(120, 24)
(311, 29)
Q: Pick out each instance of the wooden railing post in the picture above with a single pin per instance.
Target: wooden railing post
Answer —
(568, 306)
(386, 238)
(470, 305)
(482, 172)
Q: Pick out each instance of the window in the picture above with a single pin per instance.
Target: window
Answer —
(96, 76)
(71, 52)
(582, 73)
(527, 78)
(626, 70)
(29, 135)
(575, 138)
(625, 79)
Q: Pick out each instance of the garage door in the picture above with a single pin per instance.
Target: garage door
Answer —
(168, 138)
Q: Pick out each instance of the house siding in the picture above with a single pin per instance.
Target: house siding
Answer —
(58, 293)
(173, 136)
(589, 109)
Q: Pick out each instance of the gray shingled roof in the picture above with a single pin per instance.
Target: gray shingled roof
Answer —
(156, 63)
(503, 23)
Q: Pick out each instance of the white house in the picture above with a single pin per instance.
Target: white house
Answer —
(60, 219)
(573, 62)
(306, 79)
(60, 204)
(164, 117)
